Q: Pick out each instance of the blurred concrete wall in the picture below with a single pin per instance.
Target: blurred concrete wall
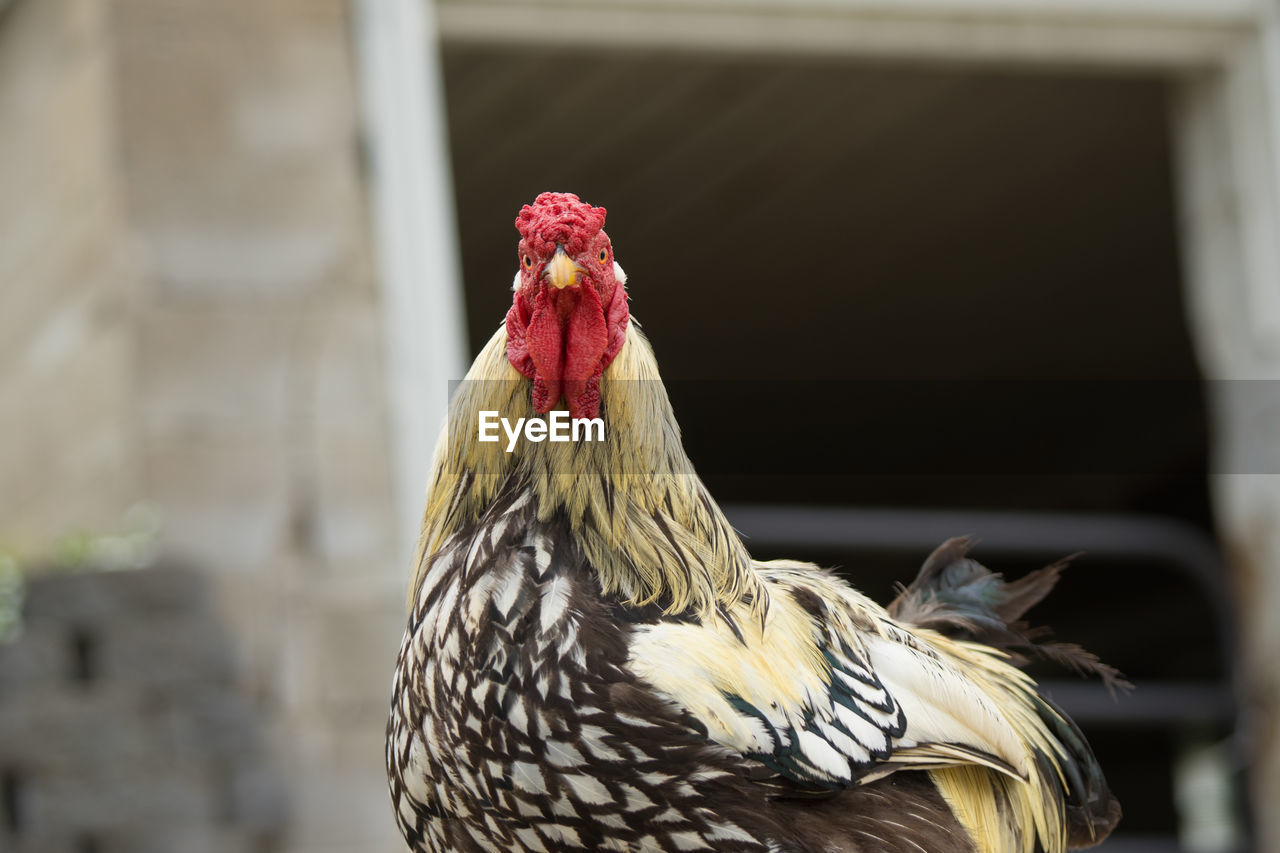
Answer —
(69, 454)
(121, 728)
(189, 316)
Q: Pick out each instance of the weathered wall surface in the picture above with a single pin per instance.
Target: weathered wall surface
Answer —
(122, 728)
(189, 316)
(262, 400)
(67, 342)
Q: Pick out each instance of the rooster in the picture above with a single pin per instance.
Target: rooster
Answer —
(593, 661)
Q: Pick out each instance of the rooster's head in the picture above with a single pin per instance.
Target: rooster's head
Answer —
(569, 316)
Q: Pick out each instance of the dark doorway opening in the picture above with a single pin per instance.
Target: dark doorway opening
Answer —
(911, 246)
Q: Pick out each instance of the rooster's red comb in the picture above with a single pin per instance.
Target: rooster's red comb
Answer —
(559, 218)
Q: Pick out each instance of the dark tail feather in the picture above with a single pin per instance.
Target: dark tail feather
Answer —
(954, 592)
(1078, 660)
(1091, 810)
(958, 597)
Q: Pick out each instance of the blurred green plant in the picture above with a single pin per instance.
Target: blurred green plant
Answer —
(133, 548)
(11, 597)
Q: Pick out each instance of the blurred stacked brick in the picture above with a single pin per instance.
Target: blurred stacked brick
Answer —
(121, 727)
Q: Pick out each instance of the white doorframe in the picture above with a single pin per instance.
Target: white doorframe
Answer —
(1139, 34)
(415, 236)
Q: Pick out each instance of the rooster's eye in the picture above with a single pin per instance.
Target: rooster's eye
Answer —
(604, 255)
(528, 262)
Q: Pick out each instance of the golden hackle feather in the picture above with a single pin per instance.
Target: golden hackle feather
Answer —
(635, 503)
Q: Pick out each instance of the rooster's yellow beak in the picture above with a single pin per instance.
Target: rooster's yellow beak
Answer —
(562, 272)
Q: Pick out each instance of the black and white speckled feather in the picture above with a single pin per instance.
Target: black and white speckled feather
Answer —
(516, 725)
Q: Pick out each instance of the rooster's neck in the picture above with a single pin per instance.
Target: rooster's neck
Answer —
(633, 501)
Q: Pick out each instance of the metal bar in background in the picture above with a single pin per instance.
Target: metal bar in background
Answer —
(1176, 544)
(1154, 703)
(1142, 844)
